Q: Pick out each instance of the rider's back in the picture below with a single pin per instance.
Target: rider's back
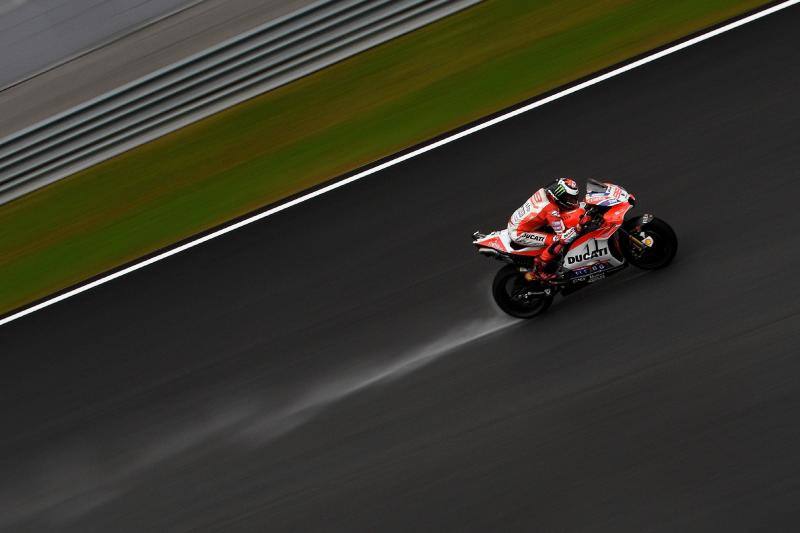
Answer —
(537, 212)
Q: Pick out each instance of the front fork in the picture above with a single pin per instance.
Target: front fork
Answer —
(639, 245)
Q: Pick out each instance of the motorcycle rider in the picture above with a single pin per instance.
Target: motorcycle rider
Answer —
(550, 219)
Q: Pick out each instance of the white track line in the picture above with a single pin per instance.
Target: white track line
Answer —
(427, 148)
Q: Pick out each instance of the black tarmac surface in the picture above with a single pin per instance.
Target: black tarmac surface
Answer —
(340, 366)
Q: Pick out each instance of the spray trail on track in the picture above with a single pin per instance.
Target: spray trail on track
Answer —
(70, 481)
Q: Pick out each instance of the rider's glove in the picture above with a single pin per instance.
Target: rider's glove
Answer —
(569, 236)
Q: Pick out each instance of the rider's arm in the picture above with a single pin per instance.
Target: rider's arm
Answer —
(564, 234)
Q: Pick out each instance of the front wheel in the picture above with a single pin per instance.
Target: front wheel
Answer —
(659, 243)
(517, 296)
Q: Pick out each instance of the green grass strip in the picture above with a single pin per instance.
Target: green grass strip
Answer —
(381, 101)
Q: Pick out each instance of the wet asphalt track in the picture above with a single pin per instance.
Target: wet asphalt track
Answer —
(340, 365)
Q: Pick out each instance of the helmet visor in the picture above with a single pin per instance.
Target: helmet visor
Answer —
(565, 193)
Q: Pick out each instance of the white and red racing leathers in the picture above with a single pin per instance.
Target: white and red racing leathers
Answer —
(529, 224)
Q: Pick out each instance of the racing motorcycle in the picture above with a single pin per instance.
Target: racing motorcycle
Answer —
(606, 245)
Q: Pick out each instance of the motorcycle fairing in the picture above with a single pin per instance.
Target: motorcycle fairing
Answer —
(590, 252)
(612, 220)
(501, 241)
(605, 194)
(597, 247)
(592, 272)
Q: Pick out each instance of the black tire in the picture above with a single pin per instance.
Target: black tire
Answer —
(665, 244)
(510, 289)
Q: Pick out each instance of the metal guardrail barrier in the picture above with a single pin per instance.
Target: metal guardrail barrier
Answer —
(238, 69)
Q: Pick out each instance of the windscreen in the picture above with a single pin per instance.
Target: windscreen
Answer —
(594, 187)
(604, 194)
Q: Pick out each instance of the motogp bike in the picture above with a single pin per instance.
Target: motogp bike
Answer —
(607, 244)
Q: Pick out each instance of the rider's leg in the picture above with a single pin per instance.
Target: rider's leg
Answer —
(533, 239)
(546, 264)
(552, 254)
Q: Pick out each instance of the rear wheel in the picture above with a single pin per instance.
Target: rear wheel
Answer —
(517, 296)
(659, 240)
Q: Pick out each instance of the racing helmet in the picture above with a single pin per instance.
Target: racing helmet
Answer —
(564, 192)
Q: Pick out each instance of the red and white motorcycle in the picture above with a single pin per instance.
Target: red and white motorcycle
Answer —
(606, 245)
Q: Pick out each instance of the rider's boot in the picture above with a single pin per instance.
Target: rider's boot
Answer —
(546, 264)
(545, 270)
(542, 271)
